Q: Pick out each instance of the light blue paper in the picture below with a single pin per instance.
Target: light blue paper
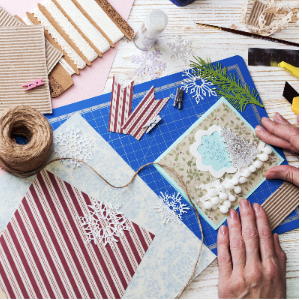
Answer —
(178, 188)
(214, 152)
(168, 263)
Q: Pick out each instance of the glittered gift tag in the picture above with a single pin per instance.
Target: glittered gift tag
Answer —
(221, 160)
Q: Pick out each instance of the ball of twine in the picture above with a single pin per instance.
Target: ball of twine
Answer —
(25, 121)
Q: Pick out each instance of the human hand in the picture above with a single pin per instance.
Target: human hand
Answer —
(256, 265)
(282, 134)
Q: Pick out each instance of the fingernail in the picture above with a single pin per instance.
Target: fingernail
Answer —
(278, 117)
(256, 207)
(277, 237)
(259, 128)
(244, 203)
(223, 230)
(233, 214)
(269, 174)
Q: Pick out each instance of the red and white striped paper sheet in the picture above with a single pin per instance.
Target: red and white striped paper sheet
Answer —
(120, 109)
(147, 110)
(44, 254)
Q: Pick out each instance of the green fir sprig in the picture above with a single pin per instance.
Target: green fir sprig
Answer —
(238, 94)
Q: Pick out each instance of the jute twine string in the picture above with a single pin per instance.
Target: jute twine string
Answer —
(27, 122)
(28, 160)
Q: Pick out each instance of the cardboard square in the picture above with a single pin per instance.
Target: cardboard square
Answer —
(22, 60)
(53, 55)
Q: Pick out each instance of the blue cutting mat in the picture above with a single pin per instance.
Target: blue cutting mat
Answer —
(175, 122)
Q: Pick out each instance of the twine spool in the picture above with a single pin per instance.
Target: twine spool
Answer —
(25, 121)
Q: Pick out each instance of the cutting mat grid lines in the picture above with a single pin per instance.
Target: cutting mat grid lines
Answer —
(175, 122)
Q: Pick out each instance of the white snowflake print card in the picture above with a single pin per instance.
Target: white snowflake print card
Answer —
(221, 160)
(126, 242)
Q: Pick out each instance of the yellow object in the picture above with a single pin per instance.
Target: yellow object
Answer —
(295, 105)
(289, 68)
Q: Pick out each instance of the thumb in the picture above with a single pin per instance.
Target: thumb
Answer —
(287, 173)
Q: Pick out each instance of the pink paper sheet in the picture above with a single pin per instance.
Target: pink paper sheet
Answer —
(91, 82)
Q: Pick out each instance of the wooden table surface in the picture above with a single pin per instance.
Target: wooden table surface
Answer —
(217, 45)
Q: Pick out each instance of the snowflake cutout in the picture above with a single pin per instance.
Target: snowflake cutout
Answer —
(181, 49)
(72, 144)
(199, 90)
(149, 64)
(104, 224)
(171, 208)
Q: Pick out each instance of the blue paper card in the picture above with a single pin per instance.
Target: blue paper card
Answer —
(175, 122)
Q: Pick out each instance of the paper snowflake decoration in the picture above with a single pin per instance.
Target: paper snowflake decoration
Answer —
(104, 223)
(181, 49)
(73, 144)
(200, 88)
(171, 208)
(149, 64)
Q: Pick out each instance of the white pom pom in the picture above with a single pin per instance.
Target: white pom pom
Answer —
(232, 198)
(252, 168)
(263, 157)
(223, 209)
(227, 203)
(212, 192)
(258, 164)
(237, 190)
(215, 200)
(223, 196)
(221, 188)
(229, 185)
(235, 181)
(208, 205)
(246, 173)
(268, 150)
(242, 180)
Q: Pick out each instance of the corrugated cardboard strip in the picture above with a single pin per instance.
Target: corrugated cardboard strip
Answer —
(256, 11)
(281, 203)
(22, 60)
(53, 55)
